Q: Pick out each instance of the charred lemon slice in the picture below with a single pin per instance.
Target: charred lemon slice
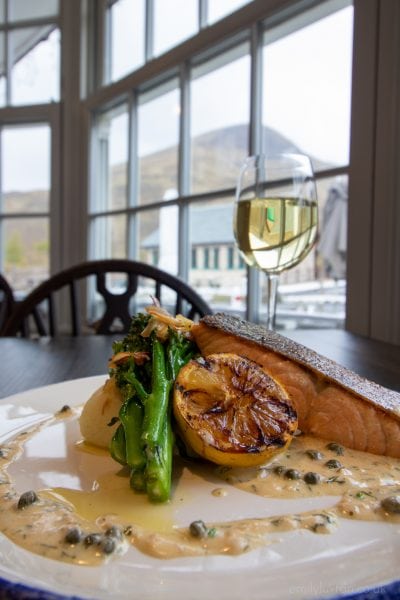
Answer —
(231, 412)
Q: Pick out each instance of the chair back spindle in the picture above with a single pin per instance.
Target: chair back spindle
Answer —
(29, 318)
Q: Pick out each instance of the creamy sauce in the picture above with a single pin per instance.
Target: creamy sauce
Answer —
(109, 517)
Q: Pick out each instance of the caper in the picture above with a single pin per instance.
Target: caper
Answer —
(26, 499)
(335, 448)
(198, 529)
(73, 536)
(292, 474)
(108, 545)
(333, 464)
(65, 408)
(93, 539)
(312, 478)
(391, 504)
(315, 454)
(279, 470)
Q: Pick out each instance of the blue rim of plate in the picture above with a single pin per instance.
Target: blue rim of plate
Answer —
(18, 591)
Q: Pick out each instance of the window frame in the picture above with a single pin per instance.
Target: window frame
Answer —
(248, 25)
(35, 114)
(373, 282)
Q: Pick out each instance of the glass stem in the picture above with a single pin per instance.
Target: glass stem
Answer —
(272, 289)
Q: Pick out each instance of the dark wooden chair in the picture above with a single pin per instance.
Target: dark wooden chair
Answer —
(36, 315)
(7, 302)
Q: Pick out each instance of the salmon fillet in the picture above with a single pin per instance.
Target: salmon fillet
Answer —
(331, 401)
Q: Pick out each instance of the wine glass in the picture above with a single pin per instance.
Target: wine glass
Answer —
(275, 216)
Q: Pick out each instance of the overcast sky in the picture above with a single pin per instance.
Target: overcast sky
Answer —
(306, 97)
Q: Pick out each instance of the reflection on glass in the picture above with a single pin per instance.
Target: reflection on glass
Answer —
(25, 250)
(313, 295)
(217, 271)
(27, 150)
(127, 37)
(108, 237)
(220, 8)
(174, 21)
(306, 93)
(111, 160)
(35, 74)
(21, 9)
(220, 94)
(158, 137)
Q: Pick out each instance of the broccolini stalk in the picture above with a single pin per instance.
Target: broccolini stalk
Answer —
(118, 445)
(138, 480)
(159, 466)
(131, 416)
(156, 403)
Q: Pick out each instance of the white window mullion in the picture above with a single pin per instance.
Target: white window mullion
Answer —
(149, 38)
(133, 178)
(253, 275)
(203, 13)
(184, 174)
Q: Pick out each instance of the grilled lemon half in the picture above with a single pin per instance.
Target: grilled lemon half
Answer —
(231, 412)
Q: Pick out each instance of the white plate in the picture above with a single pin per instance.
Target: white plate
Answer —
(358, 556)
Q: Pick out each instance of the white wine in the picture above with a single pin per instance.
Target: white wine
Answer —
(275, 234)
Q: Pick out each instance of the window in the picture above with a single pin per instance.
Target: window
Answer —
(29, 76)
(126, 26)
(158, 140)
(31, 73)
(318, 124)
(206, 258)
(187, 129)
(194, 258)
(174, 21)
(231, 254)
(220, 108)
(164, 149)
(35, 71)
(216, 258)
(220, 8)
(25, 209)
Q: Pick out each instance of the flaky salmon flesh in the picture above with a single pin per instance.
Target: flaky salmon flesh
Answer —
(331, 401)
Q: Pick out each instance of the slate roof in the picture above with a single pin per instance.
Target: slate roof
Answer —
(209, 225)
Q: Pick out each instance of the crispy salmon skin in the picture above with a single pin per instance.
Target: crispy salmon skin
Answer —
(331, 401)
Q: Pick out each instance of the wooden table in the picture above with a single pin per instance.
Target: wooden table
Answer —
(27, 364)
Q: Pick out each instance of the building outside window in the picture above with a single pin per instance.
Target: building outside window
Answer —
(194, 258)
(216, 258)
